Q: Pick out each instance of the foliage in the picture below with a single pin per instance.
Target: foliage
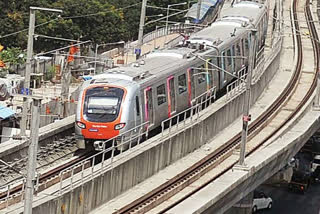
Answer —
(97, 20)
(50, 73)
(12, 56)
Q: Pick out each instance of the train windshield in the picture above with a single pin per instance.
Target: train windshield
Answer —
(102, 104)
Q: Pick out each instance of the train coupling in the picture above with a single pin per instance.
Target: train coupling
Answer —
(98, 145)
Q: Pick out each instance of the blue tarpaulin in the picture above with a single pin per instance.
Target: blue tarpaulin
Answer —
(205, 6)
(85, 78)
(5, 112)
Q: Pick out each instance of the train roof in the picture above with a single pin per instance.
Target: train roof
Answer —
(214, 37)
(220, 33)
(166, 61)
(154, 65)
(235, 21)
(245, 10)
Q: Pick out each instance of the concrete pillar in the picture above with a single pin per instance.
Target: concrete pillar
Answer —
(244, 206)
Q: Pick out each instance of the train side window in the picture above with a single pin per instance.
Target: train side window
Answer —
(215, 62)
(232, 59)
(261, 33)
(246, 45)
(223, 60)
(238, 55)
(258, 36)
(238, 50)
(265, 24)
(229, 60)
(137, 106)
(182, 81)
(161, 94)
(201, 77)
(243, 47)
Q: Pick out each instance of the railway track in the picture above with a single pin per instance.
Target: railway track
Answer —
(50, 162)
(48, 156)
(190, 175)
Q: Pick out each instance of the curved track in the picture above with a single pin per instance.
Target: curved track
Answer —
(45, 180)
(170, 188)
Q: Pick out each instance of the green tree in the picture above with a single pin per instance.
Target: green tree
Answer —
(12, 56)
(97, 20)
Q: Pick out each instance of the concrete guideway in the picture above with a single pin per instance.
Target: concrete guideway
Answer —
(187, 207)
(266, 161)
(235, 184)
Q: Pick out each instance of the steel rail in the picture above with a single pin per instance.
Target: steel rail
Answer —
(17, 191)
(183, 179)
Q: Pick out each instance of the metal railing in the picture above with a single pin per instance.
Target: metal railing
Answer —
(237, 86)
(176, 28)
(173, 42)
(127, 141)
(118, 143)
(11, 186)
(258, 71)
(198, 104)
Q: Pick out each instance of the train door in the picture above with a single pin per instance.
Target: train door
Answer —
(238, 58)
(182, 101)
(137, 112)
(242, 61)
(171, 96)
(200, 76)
(233, 66)
(228, 66)
(265, 28)
(246, 50)
(216, 73)
(209, 75)
(223, 66)
(149, 106)
(192, 87)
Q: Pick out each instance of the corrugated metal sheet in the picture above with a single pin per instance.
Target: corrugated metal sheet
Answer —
(205, 6)
(6, 112)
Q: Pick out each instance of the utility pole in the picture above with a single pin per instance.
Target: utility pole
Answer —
(65, 84)
(26, 85)
(66, 80)
(32, 155)
(199, 10)
(26, 91)
(141, 26)
(246, 117)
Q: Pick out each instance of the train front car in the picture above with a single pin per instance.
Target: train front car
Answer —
(103, 110)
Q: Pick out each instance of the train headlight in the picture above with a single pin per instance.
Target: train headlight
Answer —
(119, 126)
(81, 125)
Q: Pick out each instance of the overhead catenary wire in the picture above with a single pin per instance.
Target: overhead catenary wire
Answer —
(14, 33)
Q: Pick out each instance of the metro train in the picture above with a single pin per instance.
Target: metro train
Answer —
(167, 81)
